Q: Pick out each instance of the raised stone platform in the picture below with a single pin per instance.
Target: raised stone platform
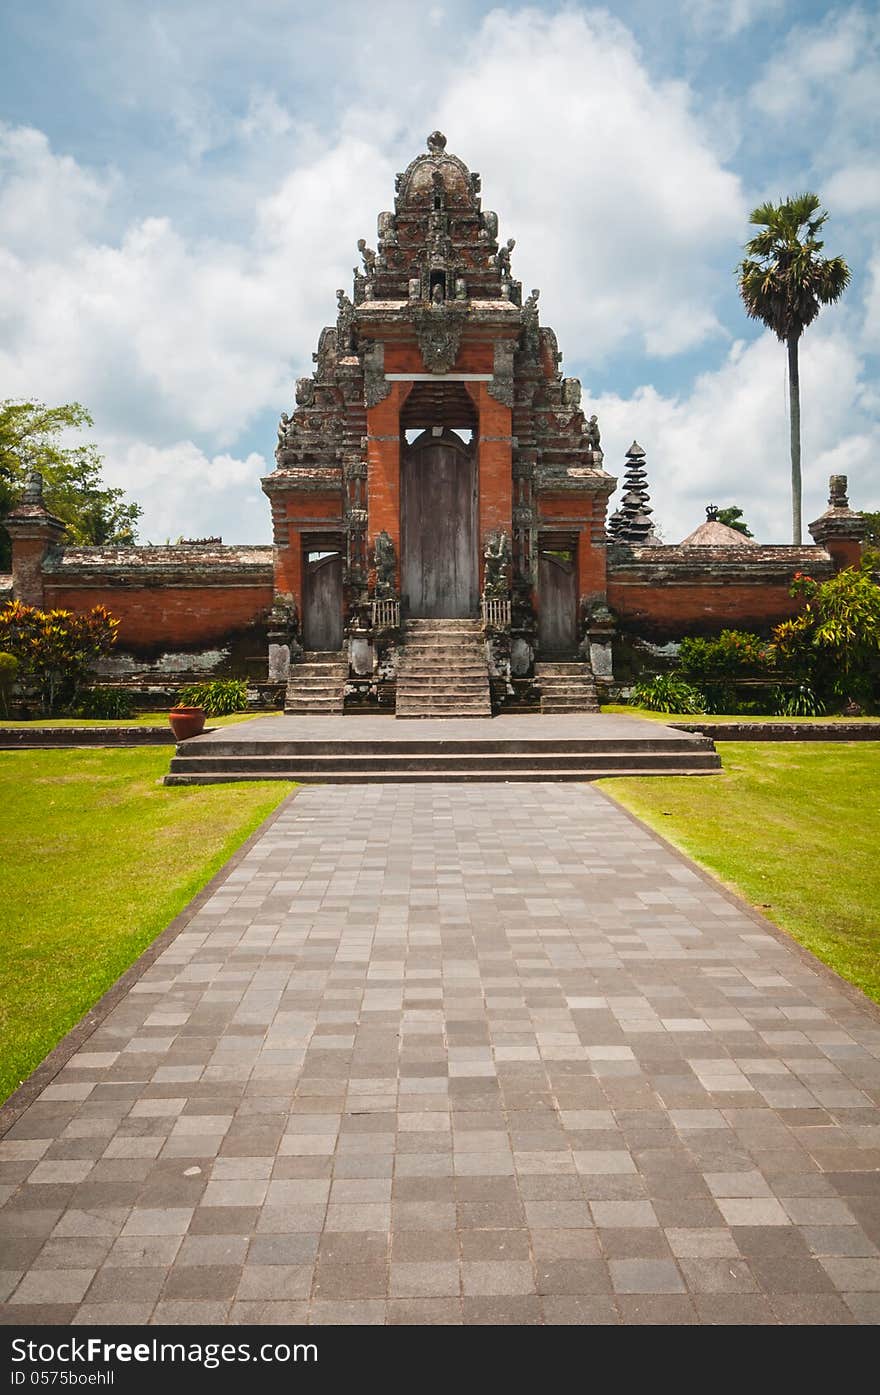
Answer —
(364, 749)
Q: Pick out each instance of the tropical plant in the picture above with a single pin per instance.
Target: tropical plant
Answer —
(56, 649)
(783, 281)
(667, 692)
(834, 644)
(8, 675)
(733, 518)
(219, 697)
(107, 703)
(36, 437)
(799, 701)
(732, 654)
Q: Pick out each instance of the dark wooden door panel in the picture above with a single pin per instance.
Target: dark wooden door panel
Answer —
(557, 602)
(439, 577)
(322, 610)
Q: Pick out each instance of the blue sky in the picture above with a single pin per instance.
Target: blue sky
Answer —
(182, 186)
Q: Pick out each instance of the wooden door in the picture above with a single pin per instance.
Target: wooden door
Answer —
(322, 601)
(557, 601)
(439, 570)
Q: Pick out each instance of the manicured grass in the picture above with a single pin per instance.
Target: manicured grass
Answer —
(98, 858)
(795, 829)
(142, 719)
(629, 711)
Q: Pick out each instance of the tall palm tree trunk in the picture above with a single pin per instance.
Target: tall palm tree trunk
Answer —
(794, 397)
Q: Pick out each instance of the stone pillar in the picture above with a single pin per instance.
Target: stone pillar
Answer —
(840, 531)
(35, 533)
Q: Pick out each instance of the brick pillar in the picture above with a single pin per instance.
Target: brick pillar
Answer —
(840, 531)
(383, 467)
(34, 533)
(494, 465)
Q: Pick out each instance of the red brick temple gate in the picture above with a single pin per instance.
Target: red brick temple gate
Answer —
(438, 447)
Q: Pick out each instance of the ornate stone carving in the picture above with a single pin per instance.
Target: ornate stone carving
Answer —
(305, 392)
(368, 256)
(501, 386)
(591, 432)
(438, 331)
(502, 258)
(436, 143)
(387, 229)
(530, 341)
(344, 324)
(571, 393)
(385, 562)
(376, 385)
(496, 556)
(356, 521)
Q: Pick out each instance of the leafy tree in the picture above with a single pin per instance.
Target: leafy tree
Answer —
(834, 644)
(733, 517)
(35, 437)
(783, 281)
(872, 536)
(56, 649)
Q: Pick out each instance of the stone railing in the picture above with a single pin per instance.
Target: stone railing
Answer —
(386, 615)
(496, 613)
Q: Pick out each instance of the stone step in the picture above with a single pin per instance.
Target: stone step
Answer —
(523, 774)
(437, 761)
(392, 744)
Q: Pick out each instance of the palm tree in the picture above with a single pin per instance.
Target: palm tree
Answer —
(783, 281)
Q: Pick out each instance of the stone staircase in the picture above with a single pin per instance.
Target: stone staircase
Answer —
(443, 670)
(316, 686)
(567, 687)
(443, 754)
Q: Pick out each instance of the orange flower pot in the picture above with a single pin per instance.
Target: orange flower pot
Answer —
(186, 721)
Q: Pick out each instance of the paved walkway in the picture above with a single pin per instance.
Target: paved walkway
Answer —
(550, 727)
(483, 1053)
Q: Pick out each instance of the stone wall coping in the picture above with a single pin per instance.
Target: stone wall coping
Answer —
(782, 731)
(180, 557)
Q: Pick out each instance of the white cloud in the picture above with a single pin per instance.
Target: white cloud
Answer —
(605, 176)
(47, 201)
(821, 89)
(187, 493)
(726, 441)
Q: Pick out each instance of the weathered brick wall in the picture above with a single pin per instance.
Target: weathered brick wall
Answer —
(168, 598)
(663, 593)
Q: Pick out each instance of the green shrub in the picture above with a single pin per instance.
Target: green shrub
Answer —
(667, 692)
(219, 697)
(732, 654)
(8, 675)
(798, 702)
(56, 649)
(107, 703)
(833, 646)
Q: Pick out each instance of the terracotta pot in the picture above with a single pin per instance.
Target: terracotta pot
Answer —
(186, 721)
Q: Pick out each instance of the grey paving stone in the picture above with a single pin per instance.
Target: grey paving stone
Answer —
(479, 1053)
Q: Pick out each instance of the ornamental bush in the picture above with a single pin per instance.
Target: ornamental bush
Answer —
(667, 692)
(732, 654)
(220, 697)
(833, 646)
(56, 649)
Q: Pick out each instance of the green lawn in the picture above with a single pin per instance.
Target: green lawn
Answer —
(142, 719)
(795, 828)
(98, 858)
(629, 711)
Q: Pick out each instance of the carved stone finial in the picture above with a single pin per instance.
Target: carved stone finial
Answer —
(33, 488)
(837, 495)
(436, 143)
(711, 513)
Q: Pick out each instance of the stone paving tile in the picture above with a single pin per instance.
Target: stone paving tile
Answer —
(430, 1055)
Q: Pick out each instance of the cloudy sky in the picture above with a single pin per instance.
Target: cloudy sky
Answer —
(183, 182)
